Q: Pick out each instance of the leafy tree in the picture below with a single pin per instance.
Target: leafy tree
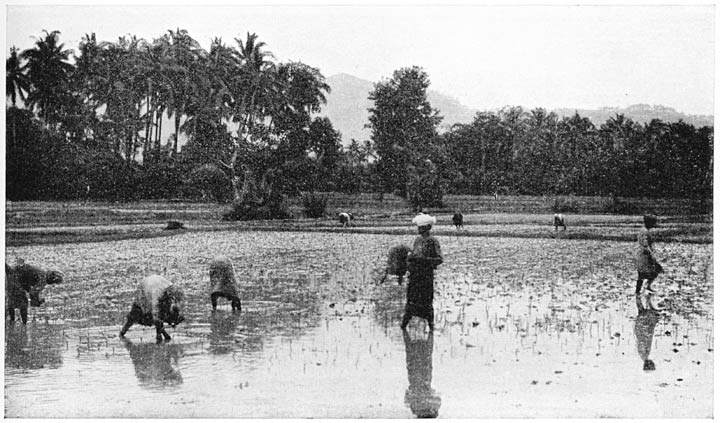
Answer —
(24, 175)
(403, 126)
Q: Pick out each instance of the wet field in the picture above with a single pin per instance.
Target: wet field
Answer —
(525, 328)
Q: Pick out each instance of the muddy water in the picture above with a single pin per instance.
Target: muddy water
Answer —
(525, 328)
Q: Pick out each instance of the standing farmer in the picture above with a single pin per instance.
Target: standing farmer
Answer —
(422, 261)
(647, 266)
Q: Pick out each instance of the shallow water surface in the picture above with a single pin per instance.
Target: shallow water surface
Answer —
(525, 328)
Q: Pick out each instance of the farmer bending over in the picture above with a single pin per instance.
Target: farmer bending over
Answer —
(157, 301)
(422, 261)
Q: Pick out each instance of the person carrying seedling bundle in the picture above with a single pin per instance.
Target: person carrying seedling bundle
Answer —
(647, 266)
(422, 261)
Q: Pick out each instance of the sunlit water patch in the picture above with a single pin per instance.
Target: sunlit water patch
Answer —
(525, 328)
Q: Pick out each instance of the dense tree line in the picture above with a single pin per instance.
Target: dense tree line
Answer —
(536, 153)
(90, 125)
(245, 128)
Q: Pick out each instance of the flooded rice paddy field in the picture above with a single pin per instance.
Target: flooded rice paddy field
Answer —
(524, 328)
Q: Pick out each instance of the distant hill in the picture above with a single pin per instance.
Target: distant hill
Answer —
(640, 113)
(347, 107)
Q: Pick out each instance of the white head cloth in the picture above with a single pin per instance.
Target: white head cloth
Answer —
(424, 219)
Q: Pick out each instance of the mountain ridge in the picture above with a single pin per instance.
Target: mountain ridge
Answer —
(347, 107)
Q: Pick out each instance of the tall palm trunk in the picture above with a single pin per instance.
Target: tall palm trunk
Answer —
(177, 133)
(148, 120)
(236, 188)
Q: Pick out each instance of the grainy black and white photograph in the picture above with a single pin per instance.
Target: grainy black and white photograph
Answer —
(359, 211)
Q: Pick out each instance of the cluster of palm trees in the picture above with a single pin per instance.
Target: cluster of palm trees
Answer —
(535, 152)
(229, 102)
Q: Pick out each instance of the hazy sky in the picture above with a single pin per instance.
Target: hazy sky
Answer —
(485, 56)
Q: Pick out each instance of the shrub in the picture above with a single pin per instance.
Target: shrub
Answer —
(208, 182)
(565, 205)
(617, 206)
(314, 204)
(424, 187)
(258, 211)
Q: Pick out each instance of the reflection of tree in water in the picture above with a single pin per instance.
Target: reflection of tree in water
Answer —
(154, 363)
(34, 346)
(645, 323)
(420, 396)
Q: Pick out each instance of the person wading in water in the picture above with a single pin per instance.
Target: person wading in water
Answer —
(422, 261)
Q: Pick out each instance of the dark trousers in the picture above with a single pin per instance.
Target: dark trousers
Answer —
(234, 299)
(422, 311)
(136, 315)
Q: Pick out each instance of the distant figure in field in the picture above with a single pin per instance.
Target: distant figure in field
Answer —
(422, 261)
(24, 280)
(397, 262)
(644, 329)
(157, 301)
(345, 219)
(458, 220)
(559, 220)
(647, 265)
(223, 282)
(174, 225)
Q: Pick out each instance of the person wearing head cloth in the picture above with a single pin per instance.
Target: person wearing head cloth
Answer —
(422, 261)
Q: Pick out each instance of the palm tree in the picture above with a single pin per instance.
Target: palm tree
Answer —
(49, 73)
(300, 92)
(253, 84)
(16, 82)
(212, 99)
(159, 85)
(251, 88)
(184, 57)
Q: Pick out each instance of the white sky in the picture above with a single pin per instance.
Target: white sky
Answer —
(485, 56)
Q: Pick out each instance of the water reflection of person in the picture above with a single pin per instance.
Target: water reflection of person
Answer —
(222, 332)
(420, 396)
(33, 346)
(153, 363)
(647, 318)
